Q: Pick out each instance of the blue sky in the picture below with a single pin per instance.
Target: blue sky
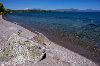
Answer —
(52, 4)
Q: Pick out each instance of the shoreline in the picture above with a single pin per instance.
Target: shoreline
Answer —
(64, 54)
(92, 52)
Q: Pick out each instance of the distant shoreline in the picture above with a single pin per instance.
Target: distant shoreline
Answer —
(56, 10)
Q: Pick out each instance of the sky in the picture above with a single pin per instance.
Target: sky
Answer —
(51, 4)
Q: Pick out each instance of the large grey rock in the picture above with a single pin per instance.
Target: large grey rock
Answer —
(20, 50)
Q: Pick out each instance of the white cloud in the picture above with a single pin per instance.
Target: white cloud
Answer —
(26, 8)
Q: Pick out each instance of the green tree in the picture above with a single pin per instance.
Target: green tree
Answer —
(1, 7)
(3, 10)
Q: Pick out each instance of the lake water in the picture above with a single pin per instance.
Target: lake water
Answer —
(62, 26)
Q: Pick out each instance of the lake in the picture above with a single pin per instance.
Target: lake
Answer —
(81, 28)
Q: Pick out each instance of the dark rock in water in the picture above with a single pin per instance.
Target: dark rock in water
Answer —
(89, 27)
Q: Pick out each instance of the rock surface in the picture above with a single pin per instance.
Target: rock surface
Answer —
(21, 50)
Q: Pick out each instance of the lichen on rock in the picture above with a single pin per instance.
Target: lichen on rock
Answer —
(21, 50)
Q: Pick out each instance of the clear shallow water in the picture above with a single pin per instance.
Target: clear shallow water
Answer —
(83, 26)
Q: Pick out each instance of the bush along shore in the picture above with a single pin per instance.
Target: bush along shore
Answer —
(3, 10)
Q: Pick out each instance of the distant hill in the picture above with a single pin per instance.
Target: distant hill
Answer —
(56, 10)
(77, 10)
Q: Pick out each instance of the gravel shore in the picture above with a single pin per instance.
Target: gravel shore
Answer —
(55, 55)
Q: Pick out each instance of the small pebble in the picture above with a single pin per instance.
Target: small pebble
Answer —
(0, 50)
(2, 64)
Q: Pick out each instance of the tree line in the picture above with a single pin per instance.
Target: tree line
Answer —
(3, 10)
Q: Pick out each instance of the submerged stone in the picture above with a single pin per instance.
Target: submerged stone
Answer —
(20, 50)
